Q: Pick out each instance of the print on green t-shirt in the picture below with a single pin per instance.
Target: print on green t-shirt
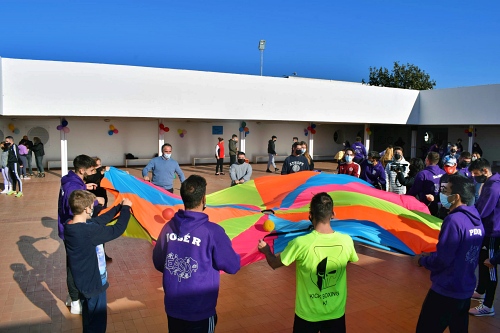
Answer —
(321, 280)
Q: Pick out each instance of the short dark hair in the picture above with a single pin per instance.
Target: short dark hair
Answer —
(465, 154)
(374, 155)
(463, 186)
(9, 137)
(358, 139)
(241, 153)
(321, 207)
(83, 162)
(79, 200)
(234, 136)
(274, 137)
(398, 148)
(193, 189)
(433, 157)
(220, 139)
(165, 145)
(480, 164)
(349, 148)
(295, 144)
(295, 138)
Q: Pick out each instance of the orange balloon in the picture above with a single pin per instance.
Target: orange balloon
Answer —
(168, 213)
(268, 226)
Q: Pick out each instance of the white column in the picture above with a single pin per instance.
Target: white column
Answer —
(311, 143)
(413, 152)
(161, 139)
(367, 139)
(242, 142)
(64, 154)
(471, 139)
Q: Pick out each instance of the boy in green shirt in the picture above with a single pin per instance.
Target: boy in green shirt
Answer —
(321, 257)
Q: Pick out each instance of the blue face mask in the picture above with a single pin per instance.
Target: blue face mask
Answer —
(369, 162)
(444, 200)
(167, 155)
(349, 159)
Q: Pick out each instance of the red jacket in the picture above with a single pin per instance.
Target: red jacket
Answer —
(219, 150)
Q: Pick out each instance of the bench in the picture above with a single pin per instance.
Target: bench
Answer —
(209, 159)
(56, 164)
(140, 161)
(277, 158)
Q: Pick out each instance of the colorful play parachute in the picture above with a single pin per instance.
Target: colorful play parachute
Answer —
(381, 219)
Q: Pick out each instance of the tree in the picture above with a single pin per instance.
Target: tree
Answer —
(403, 76)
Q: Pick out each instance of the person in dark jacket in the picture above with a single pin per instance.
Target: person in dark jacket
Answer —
(14, 164)
(39, 153)
(296, 162)
(233, 149)
(453, 264)
(84, 236)
(190, 252)
(416, 165)
(488, 206)
(271, 151)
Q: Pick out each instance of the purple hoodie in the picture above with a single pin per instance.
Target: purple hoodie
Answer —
(190, 252)
(69, 183)
(374, 174)
(453, 264)
(359, 150)
(427, 182)
(488, 206)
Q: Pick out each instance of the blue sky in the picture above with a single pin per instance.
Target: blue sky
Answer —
(456, 42)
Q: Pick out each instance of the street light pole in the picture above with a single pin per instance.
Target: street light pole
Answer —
(262, 46)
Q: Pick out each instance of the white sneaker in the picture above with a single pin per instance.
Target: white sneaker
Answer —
(477, 296)
(68, 301)
(5, 190)
(482, 311)
(76, 307)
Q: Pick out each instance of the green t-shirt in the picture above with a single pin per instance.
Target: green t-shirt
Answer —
(321, 273)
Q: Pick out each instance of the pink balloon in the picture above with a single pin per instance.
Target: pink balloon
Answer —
(65, 129)
(184, 132)
(162, 131)
(115, 131)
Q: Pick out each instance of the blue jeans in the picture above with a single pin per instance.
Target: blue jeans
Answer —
(29, 157)
(271, 161)
(25, 164)
(39, 163)
(94, 313)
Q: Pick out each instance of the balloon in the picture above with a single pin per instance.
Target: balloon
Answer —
(466, 131)
(64, 123)
(309, 128)
(110, 132)
(268, 226)
(470, 135)
(313, 131)
(241, 129)
(59, 127)
(246, 129)
(162, 126)
(368, 129)
(243, 124)
(168, 213)
(182, 135)
(306, 134)
(111, 127)
(65, 129)
(115, 131)
(247, 132)
(184, 132)
(162, 132)
(179, 131)
(16, 131)
(313, 125)
(11, 127)
(166, 129)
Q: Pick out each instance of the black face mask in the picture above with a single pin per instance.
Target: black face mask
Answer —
(6, 145)
(480, 179)
(241, 160)
(453, 151)
(397, 157)
(464, 164)
(298, 151)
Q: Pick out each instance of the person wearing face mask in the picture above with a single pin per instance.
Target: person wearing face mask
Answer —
(83, 166)
(349, 167)
(450, 168)
(373, 172)
(476, 148)
(398, 165)
(488, 206)
(295, 162)
(305, 152)
(163, 168)
(416, 165)
(84, 236)
(240, 172)
(190, 253)
(453, 264)
(452, 153)
(460, 148)
(426, 185)
(464, 163)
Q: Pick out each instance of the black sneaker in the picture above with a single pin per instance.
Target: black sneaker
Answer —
(276, 169)
(269, 171)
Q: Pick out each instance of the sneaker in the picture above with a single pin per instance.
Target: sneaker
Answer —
(76, 307)
(482, 310)
(26, 177)
(108, 258)
(5, 190)
(477, 296)
(276, 169)
(68, 301)
(269, 171)
(11, 192)
(19, 194)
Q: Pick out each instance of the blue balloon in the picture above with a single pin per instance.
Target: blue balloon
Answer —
(64, 123)
(247, 132)
(306, 134)
(241, 129)
(16, 131)
(110, 132)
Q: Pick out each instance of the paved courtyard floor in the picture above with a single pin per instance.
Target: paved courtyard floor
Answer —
(385, 290)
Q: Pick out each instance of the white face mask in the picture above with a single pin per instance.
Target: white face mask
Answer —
(167, 155)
